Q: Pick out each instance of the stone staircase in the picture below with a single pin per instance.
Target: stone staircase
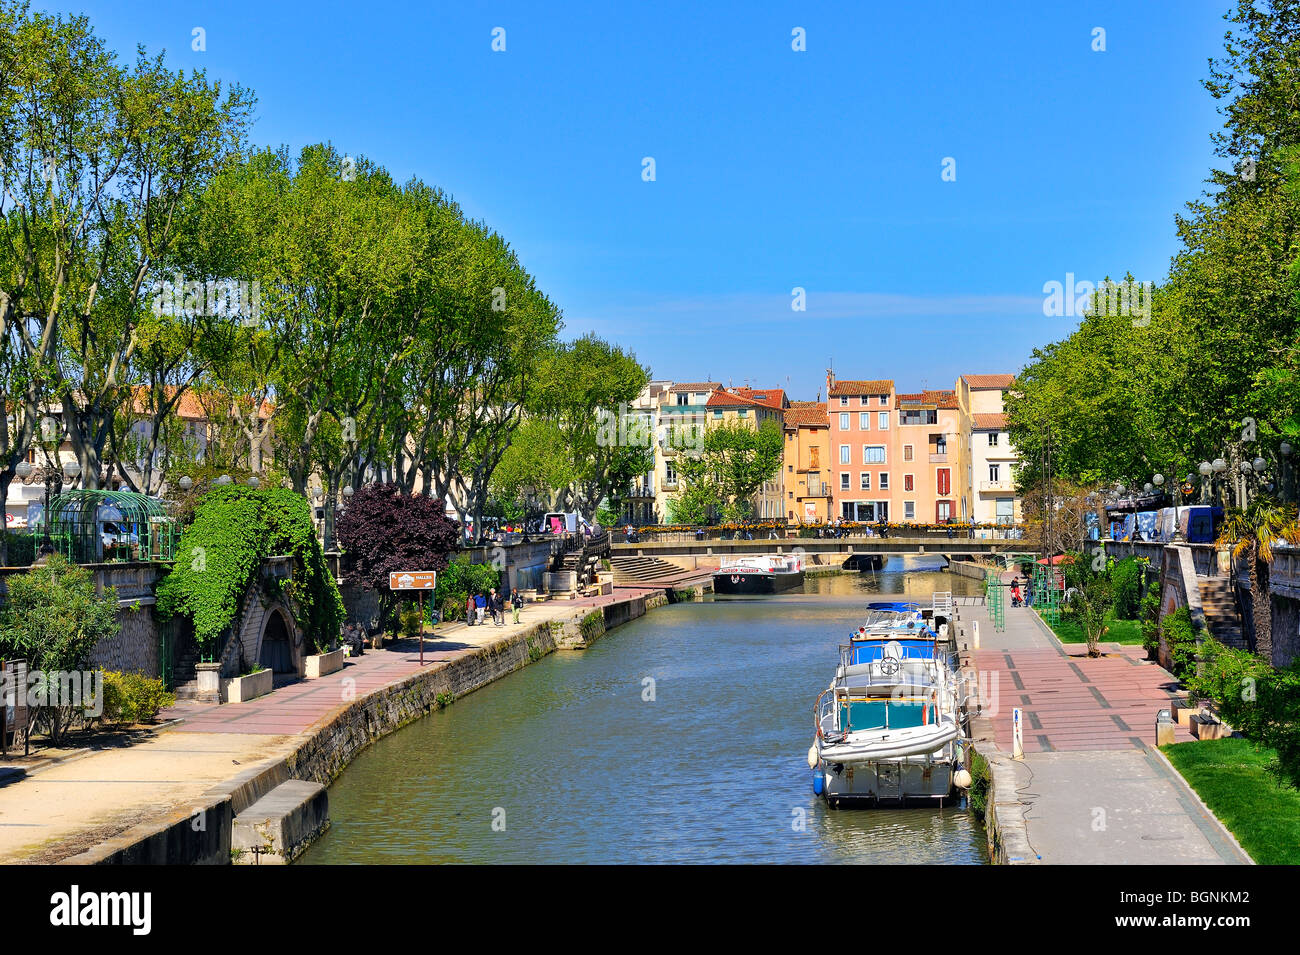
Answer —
(1222, 617)
(642, 569)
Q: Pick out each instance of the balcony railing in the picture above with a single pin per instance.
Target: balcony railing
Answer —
(816, 489)
(938, 457)
(997, 485)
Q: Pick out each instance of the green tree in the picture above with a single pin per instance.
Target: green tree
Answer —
(54, 619)
(1088, 598)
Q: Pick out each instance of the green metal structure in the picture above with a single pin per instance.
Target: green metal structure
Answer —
(1046, 589)
(90, 527)
(995, 602)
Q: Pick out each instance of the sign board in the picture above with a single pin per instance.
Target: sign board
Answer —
(413, 580)
(1017, 735)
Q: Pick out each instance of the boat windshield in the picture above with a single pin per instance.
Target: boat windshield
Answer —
(872, 713)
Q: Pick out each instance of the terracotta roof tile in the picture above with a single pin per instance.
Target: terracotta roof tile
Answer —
(990, 422)
(807, 417)
(979, 382)
(772, 397)
(881, 387)
(697, 386)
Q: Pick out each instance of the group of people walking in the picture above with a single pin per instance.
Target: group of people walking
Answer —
(479, 605)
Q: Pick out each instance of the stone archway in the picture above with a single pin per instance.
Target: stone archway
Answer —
(275, 648)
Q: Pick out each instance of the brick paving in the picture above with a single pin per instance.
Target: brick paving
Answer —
(295, 707)
(1094, 790)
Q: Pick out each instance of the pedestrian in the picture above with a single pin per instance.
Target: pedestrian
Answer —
(480, 606)
(1015, 594)
(469, 610)
(494, 606)
(514, 603)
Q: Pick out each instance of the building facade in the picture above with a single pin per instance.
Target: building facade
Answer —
(862, 445)
(993, 459)
(809, 492)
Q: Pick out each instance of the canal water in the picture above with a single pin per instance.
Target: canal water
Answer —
(679, 737)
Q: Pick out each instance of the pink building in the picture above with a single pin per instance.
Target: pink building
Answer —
(861, 446)
(896, 457)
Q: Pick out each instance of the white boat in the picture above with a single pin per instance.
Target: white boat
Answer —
(890, 726)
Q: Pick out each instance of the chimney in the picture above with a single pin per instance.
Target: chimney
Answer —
(830, 381)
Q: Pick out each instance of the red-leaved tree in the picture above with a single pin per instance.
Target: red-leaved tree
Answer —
(384, 530)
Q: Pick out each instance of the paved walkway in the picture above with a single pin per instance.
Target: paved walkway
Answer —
(1095, 788)
(49, 811)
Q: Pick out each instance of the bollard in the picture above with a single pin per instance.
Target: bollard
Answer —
(1164, 728)
(1017, 735)
(976, 625)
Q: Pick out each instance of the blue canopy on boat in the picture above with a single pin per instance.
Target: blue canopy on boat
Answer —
(892, 605)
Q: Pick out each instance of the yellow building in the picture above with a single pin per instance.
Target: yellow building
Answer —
(809, 495)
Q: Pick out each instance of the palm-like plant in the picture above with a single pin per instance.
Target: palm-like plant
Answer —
(1252, 534)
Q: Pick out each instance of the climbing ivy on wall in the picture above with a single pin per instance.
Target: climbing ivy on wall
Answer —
(234, 528)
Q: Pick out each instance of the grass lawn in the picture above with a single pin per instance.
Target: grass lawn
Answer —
(1233, 780)
(1121, 631)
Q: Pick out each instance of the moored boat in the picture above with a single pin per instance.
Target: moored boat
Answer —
(760, 574)
(890, 726)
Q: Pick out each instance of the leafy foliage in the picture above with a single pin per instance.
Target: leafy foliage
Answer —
(1126, 584)
(234, 528)
(1124, 397)
(54, 619)
(1088, 597)
(1260, 701)
(722, 478)
(458, 581)
(386, 530)
(134, 697)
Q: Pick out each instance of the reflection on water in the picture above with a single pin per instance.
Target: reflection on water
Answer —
(680, 737)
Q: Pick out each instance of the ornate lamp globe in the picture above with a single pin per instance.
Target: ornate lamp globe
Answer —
(1259, 464)
(1219, 465)
(1244, 467)
(1206, 468)
(185, 483)
(1120, 489)
(347, 491)
(1158, 480)
(72, 469)
(1285, 449)
(1148, 487)
(24, 469)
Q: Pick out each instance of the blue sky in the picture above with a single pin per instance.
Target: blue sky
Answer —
(774, 168)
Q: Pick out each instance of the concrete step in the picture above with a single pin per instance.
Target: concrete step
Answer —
(279, 826)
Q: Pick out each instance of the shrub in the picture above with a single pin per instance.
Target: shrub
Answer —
(134, 698)
(1126, 587)
(20, 549)
(410, 620)
(1259, 701)
(1149, 614)
(53, 618)
(1180, 637)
